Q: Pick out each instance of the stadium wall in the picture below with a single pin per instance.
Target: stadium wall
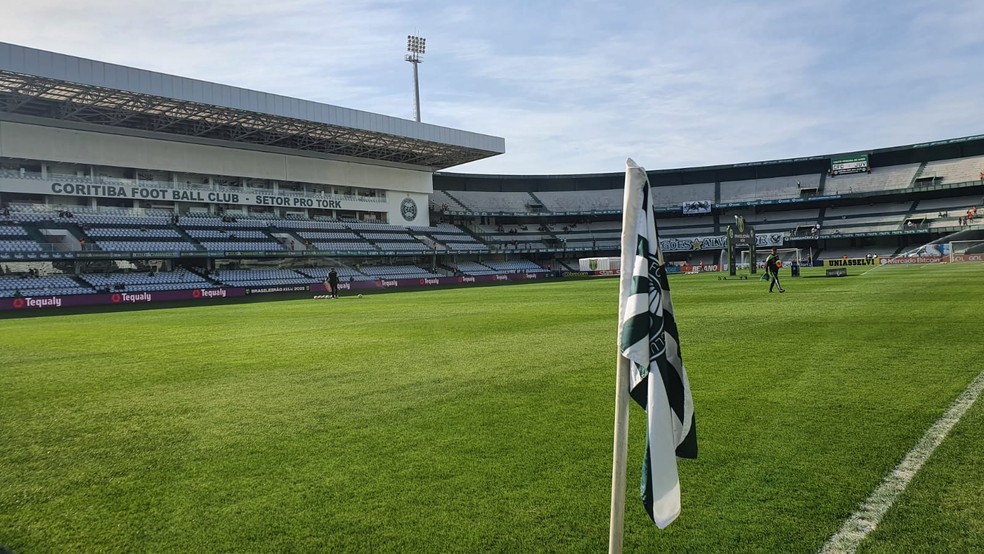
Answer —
(55, 144)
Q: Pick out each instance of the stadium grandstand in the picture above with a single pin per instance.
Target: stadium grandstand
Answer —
(116, 181)
(884, 203)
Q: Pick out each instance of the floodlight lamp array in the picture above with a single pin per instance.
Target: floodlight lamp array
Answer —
(416, 44)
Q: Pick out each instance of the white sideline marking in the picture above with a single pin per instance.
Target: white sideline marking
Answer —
(869, 515)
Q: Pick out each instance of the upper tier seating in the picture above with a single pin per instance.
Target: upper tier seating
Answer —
(508, 202)
(581, 200)
(880, 178)
(767, 189)
(955, 171)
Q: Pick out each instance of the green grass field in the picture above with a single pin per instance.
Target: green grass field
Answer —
(480, 420)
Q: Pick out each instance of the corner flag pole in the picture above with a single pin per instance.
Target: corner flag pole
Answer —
(630, 205)
(650, 367)
(619, 454)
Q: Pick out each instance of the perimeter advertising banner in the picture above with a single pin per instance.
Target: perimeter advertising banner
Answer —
(72, 301)
(851, 262)
(967, 257)
(78, 300)
(913, 260)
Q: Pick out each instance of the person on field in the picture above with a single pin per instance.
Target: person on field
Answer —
(772, 265)
(332, 282)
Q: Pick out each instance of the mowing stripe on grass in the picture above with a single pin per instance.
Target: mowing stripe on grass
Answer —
(864, 521)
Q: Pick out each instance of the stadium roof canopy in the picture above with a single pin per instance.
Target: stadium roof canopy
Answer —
(40, 84)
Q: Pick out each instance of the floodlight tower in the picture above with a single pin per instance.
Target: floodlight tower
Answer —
(415, 46)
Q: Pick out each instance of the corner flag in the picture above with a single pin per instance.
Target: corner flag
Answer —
(649, 351)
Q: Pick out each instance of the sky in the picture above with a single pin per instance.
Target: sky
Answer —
(573, 86)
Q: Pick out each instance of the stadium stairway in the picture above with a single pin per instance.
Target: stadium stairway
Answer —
(35, 234)
(204, 274)
(186, 237)
(184, 234)
(918, 174)
(287, 237)
(822, 183)
(74, 234)
(81, 282)
(426, 239)
(563, 266)
(474, 235)
(912, 207)
(551, 239)
(538, 202)
(461, 205)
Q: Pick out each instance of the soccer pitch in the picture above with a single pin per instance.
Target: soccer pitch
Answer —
(480, 420)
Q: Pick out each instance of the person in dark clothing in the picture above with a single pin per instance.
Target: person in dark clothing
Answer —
(332, 282)
(772, 265)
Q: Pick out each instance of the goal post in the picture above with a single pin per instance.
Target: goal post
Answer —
(967, 251)
(786, 256)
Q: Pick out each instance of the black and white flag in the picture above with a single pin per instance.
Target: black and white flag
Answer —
(649, 340)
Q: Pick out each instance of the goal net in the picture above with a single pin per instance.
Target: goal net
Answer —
(967, 251)
(786, 256)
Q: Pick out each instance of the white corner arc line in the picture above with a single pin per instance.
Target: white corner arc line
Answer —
(862, 522)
